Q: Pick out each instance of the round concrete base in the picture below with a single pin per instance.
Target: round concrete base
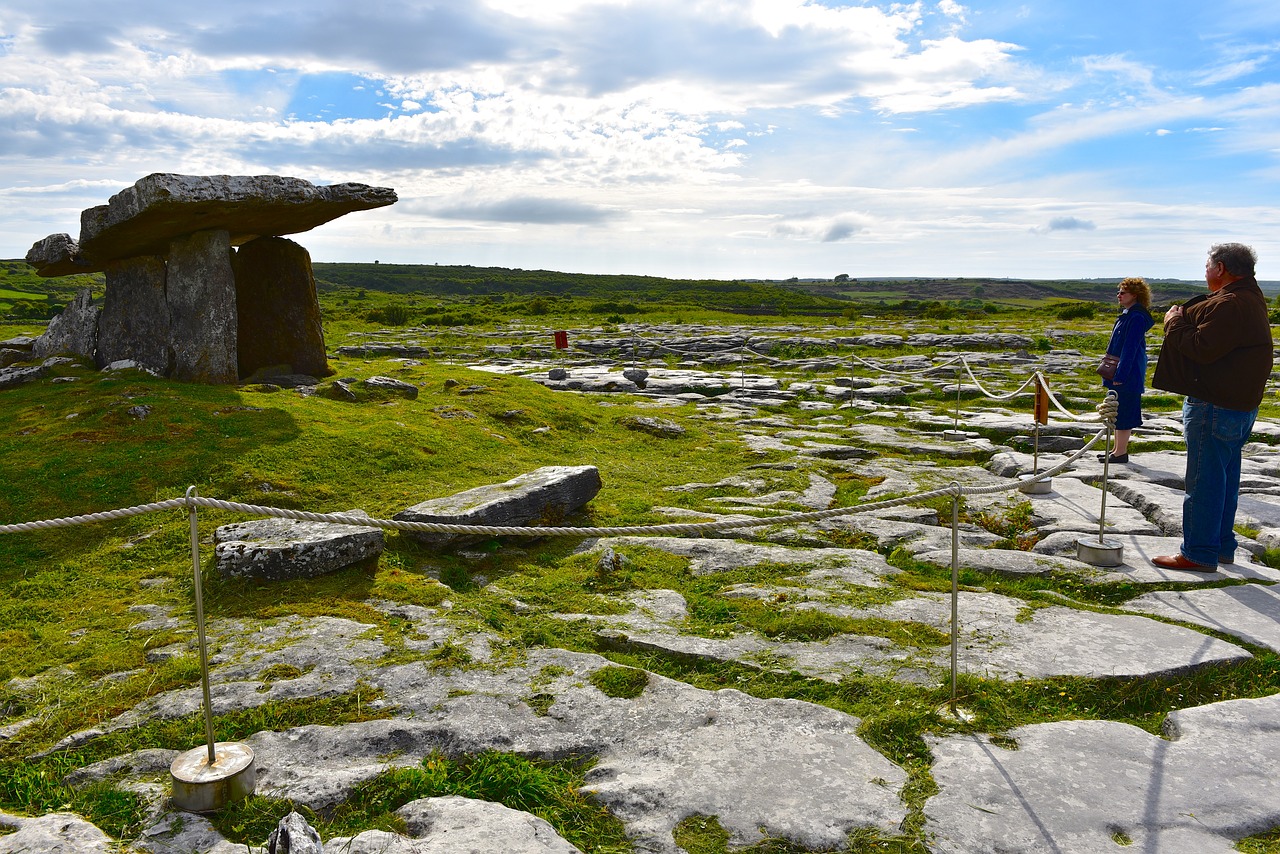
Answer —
(1096, 552)
(201, 787)
(1038, 487)
(956, 713)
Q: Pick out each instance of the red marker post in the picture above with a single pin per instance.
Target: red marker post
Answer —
(562, 339)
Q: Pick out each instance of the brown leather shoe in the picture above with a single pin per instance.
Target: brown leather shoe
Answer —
(1179, 561)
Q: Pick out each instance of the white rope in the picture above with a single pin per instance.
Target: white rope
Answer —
(989, 394)
(885, 370)
(1058, 405)
(90, 518)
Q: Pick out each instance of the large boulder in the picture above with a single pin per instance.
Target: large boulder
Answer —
(543, 496)
(281, 549)
(74, 331)
(57, 255)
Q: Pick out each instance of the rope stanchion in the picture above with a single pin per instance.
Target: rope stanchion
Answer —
(955, 603)
(208, 782)
(1103, 552)
(955, 434)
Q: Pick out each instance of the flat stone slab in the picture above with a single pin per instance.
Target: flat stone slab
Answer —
(830, 660)
(54, 833)
(1008, 562)
(916, 441)
(708, 556)
(762, 766)
(1250, 612)
(548, 494)
(1138, 550)
(916, 537)
(144, 218)
(1167, 468)
(1073, 786)
(1002, 639)
(1072, 505)
(281, 549)
(454, 824)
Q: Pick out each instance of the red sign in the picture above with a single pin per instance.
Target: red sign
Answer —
(1042, 402)
(562, 340)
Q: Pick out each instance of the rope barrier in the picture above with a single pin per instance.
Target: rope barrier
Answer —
(991, 395)
(885, 370)
(680, 528)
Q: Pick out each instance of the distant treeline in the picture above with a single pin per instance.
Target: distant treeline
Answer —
(470, 281)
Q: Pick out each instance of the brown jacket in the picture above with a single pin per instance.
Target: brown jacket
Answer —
(1220, 349)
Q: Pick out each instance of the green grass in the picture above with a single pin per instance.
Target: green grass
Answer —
(547, 789)
(36, 785)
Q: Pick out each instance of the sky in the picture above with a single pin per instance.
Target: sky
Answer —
(716, 139)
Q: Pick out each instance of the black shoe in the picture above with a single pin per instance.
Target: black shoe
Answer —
(1122, 458)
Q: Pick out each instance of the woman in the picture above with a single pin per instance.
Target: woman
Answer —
(1129, 343)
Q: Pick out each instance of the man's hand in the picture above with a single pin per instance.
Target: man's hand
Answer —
(1174, 313)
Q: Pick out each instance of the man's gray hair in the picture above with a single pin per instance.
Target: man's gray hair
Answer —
(1236, 257)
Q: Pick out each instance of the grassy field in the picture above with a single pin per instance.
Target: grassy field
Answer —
(76, 447)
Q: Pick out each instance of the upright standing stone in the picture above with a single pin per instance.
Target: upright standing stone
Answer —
(135, 317)
(74, 331)
(277, 307)
(201, 294)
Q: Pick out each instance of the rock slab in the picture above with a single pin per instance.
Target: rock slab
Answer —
(281, 549)
(543, 496)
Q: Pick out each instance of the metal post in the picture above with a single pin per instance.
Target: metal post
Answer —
(852, 368)
(206, 782)
(956, 420)
(1103, 552)
(1106, 470)
(1035, 451)
(955, 589)
(204, 649)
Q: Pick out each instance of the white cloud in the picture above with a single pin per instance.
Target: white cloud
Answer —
(651, 132)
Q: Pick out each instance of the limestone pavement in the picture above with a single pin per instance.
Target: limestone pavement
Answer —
(786, 769)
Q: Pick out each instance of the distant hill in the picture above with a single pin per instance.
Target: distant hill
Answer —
(25, 294)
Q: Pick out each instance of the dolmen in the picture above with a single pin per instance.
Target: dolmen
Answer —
(201, 284)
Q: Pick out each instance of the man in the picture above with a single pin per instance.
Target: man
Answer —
(1216, 351)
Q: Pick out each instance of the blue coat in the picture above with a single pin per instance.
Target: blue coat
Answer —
(1129, 342)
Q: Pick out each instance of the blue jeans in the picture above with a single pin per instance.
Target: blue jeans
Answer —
(1215, 437)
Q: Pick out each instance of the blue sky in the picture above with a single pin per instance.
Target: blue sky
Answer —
(684, 138)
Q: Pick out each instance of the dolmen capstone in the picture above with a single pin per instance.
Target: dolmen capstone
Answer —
(541, 497)
(201, 284)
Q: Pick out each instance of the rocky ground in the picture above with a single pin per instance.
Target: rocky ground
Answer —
(794, 770)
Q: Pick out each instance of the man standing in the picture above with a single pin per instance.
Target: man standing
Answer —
(1216, 351)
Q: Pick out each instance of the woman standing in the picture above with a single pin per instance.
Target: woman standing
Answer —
(1129, 343)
